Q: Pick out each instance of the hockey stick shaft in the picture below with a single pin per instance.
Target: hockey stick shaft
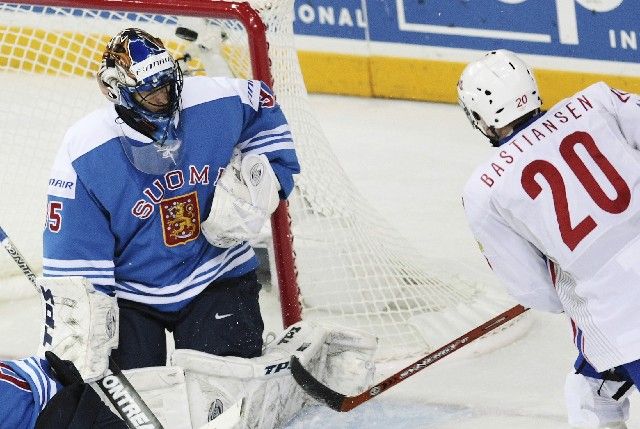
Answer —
(18, 259)
(340, 402)
(116, 387)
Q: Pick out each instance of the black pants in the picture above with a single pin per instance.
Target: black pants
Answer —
(78, 407)
(224, 320)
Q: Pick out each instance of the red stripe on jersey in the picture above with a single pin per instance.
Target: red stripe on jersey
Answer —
(552, 271)
(574, 330)
(7, 375)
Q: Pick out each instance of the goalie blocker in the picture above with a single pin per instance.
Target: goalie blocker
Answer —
(79, 324)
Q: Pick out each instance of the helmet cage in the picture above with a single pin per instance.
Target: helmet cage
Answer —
(171, 78)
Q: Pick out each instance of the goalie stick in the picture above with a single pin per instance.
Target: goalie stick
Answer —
(340, 402)
(116, 387)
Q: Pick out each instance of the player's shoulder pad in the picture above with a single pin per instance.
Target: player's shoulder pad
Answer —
(597, 92)
(202, 89)
(91, 131)
(605, 94)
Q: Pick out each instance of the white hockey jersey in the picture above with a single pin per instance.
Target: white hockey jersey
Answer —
(556, 213)
(138, 235)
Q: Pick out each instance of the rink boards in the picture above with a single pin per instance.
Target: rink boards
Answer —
(417, 49)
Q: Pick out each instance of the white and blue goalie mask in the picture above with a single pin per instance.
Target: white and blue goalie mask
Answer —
(140, 75)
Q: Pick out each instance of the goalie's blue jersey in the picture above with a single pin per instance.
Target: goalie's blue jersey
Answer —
(26, 386)
(138, 235)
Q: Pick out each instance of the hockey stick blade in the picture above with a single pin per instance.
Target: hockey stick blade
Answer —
(124, 397)
(313, 387)
(340, 402)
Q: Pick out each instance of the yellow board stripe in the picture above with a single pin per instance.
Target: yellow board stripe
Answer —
(56, 52)
(336, 74)
(427, 80)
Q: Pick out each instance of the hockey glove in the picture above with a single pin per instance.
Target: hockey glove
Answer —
(246, 194)
(80, 324)
(76, 405)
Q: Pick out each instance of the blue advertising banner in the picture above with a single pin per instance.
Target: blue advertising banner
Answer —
(344, 19)
(588, 29)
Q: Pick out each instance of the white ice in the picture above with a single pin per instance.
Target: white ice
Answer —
(411, 159)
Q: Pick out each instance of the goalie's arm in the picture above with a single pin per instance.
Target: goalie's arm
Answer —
(77, 240)
(267, 132)
(259, 174)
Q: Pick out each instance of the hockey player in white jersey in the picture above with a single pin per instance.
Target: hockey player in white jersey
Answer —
(154, 197)
(556, 212)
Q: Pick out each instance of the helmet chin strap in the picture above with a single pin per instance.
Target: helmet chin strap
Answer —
(494, 139)
(491, 134)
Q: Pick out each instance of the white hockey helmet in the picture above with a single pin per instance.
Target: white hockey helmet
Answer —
(496, 90)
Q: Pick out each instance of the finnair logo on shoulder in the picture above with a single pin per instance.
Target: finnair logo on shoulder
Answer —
(152, 65)
(62, 185)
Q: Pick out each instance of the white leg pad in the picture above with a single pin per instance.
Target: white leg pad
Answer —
(340, 357)
(215, 383)
(80, 324)
(164, 390)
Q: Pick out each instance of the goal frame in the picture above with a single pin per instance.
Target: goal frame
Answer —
(291, 310)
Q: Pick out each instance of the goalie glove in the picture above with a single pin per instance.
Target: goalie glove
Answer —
(79, 324)
(246, 195)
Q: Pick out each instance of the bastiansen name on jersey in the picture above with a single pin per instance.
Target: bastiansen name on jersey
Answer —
(138, 234)
(558, 207)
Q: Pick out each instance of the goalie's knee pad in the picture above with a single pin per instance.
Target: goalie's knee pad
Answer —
(349, 367)
(591, 404)
(164, 391)
(337, 356)
(215, 383)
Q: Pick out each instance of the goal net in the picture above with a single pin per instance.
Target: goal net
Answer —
(351, 267)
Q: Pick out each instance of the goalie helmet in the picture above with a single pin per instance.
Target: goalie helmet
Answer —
(139, 74)
(497, 90)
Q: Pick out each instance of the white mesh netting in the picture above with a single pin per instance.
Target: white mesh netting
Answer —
(353, 268)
